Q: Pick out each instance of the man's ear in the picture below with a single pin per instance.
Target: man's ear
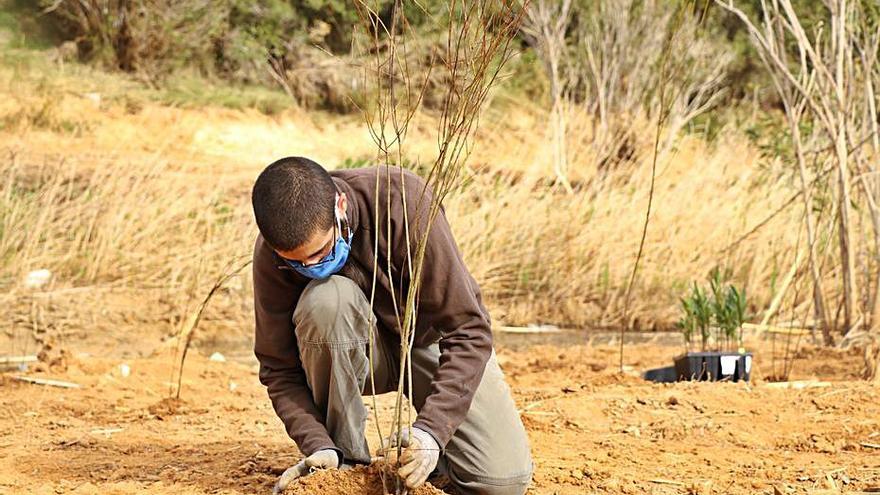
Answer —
(343, 204)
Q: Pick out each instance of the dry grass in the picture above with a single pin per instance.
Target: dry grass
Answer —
(547, 256)
(142, 209)
(127, 243)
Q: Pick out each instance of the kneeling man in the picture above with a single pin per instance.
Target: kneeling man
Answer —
(320, 235)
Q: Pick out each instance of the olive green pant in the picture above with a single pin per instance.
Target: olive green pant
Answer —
(488, 454)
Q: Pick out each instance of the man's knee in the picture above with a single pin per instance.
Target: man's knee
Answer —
(489, 453)
(331, 311)
(515, 488)
(508, 484)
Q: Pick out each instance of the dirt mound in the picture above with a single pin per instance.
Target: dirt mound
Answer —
(362, 480)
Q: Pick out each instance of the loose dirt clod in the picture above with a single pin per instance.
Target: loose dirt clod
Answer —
(361, 480)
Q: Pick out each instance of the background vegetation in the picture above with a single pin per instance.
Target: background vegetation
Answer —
(122, 118)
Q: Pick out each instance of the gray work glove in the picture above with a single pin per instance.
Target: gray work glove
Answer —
(322, 459)
(419, 458)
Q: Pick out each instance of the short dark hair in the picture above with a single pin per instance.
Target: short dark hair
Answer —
(293, 200)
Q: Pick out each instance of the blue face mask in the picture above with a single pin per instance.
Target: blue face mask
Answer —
(329, 264)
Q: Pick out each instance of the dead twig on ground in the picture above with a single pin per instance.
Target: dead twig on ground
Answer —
(187, 330)
(46, 381)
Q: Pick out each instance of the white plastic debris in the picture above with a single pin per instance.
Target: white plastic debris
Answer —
(124, 370)
(220, 358)
(37, 278)
(728, 365)
(232, 386)
(95, 98)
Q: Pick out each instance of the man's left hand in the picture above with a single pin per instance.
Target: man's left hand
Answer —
(420, 457)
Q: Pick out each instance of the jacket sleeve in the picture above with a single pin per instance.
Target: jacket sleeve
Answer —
(449, 303)
(275, 297)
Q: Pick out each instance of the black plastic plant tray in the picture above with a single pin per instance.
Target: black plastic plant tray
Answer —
(714, 366)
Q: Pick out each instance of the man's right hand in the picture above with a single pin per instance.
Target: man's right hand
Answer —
(322, 459)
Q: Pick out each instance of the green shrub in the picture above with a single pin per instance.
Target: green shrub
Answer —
(288, 44)
(149, 37)
(718, 314)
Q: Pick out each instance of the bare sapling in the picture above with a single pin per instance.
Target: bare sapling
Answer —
(476, 46)
(669, 71)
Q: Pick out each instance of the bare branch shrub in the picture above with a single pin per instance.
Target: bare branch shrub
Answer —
(603, 61)
(826, 79)
(545, 27)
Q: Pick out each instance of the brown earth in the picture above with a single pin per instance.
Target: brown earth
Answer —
(592, 429)
(366, 480)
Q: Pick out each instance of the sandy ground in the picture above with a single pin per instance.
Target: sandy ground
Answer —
(592, 430)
